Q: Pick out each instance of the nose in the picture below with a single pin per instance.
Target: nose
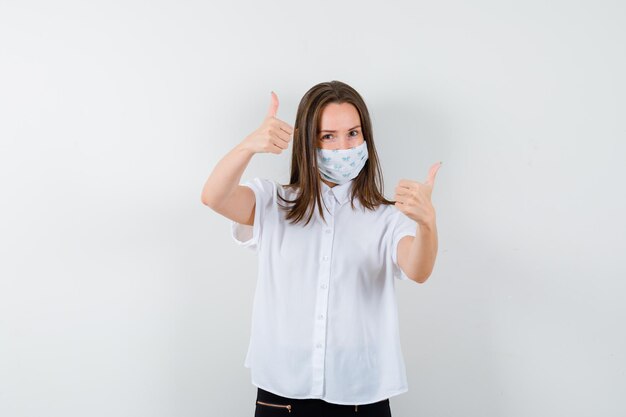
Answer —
(347, 143)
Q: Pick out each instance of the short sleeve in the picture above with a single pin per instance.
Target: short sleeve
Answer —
(250, 236)
(403, 226)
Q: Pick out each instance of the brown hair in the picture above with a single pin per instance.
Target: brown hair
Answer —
(368, 185)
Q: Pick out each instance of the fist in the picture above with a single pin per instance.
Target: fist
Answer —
(413, 198)
(273, 135)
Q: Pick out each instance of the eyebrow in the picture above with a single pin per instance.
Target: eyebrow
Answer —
(333, 131)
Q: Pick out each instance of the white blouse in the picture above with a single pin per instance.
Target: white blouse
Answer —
(324, 318)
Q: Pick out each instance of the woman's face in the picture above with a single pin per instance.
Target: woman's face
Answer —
(340, 127)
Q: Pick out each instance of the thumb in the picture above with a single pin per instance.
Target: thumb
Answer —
(271, 112)
(432, 173)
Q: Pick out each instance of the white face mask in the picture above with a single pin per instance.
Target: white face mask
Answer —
(341, 165)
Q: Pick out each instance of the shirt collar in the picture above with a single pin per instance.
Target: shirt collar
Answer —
(340, 191)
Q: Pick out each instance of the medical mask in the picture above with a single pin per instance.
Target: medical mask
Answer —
(341, 165)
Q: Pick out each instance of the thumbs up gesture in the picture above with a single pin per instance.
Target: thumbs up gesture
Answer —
(413, 198)
(273, 135)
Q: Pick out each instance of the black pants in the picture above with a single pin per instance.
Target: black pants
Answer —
(269, 404)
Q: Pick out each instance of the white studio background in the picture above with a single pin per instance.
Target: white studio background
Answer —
(122, 295)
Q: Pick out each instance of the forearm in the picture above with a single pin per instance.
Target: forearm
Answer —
(423, 251)
(226, 175)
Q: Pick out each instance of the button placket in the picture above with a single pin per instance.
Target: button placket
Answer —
(321, 308)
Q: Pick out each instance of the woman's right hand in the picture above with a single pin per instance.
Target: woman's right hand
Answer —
(273, 135)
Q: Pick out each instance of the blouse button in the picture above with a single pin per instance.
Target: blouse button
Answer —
(323, 285)
(328, 230)
(325, 258)
(319, 345)
(321, 316)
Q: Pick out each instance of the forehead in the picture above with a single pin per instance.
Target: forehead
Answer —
(339, 116)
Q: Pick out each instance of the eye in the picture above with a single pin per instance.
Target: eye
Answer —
(355, 131)
(324, 137)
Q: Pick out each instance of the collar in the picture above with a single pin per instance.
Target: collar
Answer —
(340, 191)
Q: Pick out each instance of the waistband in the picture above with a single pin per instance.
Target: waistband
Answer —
(275, 399)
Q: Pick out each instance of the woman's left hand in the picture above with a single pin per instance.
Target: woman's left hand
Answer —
(413, 198)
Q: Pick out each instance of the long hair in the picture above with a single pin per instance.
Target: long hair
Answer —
(368, 184)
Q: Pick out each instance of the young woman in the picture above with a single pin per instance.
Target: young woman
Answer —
(325, 339)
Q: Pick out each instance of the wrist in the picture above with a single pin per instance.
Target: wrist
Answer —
(427, 226)
(244, 147)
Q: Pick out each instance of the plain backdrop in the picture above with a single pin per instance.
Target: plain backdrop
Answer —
(122, 295)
